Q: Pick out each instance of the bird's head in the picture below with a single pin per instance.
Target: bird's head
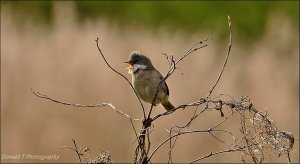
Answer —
(138, 61)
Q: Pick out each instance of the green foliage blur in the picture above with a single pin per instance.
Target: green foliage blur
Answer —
(249, 17)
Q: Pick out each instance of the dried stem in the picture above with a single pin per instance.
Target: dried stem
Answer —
(43, 96)
(227, 56)
(75, 149)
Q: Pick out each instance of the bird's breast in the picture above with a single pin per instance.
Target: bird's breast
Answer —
(145, 83)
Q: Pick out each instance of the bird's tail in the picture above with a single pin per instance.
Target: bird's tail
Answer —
(167, 105)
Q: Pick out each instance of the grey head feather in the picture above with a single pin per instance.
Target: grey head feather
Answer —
(138, 58)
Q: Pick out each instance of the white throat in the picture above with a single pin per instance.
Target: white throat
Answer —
(135, 68)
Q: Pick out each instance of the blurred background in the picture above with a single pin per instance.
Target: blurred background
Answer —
(50, 46)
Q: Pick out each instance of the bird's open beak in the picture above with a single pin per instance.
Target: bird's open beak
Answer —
(130, 65)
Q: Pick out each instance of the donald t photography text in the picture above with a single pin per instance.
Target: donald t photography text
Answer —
(28, 156)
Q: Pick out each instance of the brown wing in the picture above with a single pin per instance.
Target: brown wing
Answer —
(166, 89)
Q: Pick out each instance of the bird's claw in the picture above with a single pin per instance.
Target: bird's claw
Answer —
(147, 122)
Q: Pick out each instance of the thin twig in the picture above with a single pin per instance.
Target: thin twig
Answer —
(131, 122)
(219, 152)
(41, 95)
(210, 130)
(77, 152)
(75, 149)
(193, 49)
(227, 56)
(173, 67)
(178, 134)
(91, 106)
(183, 106)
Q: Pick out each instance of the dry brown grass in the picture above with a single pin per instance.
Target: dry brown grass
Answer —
(64, 63)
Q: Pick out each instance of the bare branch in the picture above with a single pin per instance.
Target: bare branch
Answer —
(227, 56)
(183, 106)
(43, 96)
(75, 149)
(178, 134)
(219, 152)
(193, 49)
(258, 130)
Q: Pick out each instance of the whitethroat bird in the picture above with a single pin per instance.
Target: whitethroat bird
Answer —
(146, 79)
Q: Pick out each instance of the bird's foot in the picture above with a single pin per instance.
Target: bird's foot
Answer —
(147, 122)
